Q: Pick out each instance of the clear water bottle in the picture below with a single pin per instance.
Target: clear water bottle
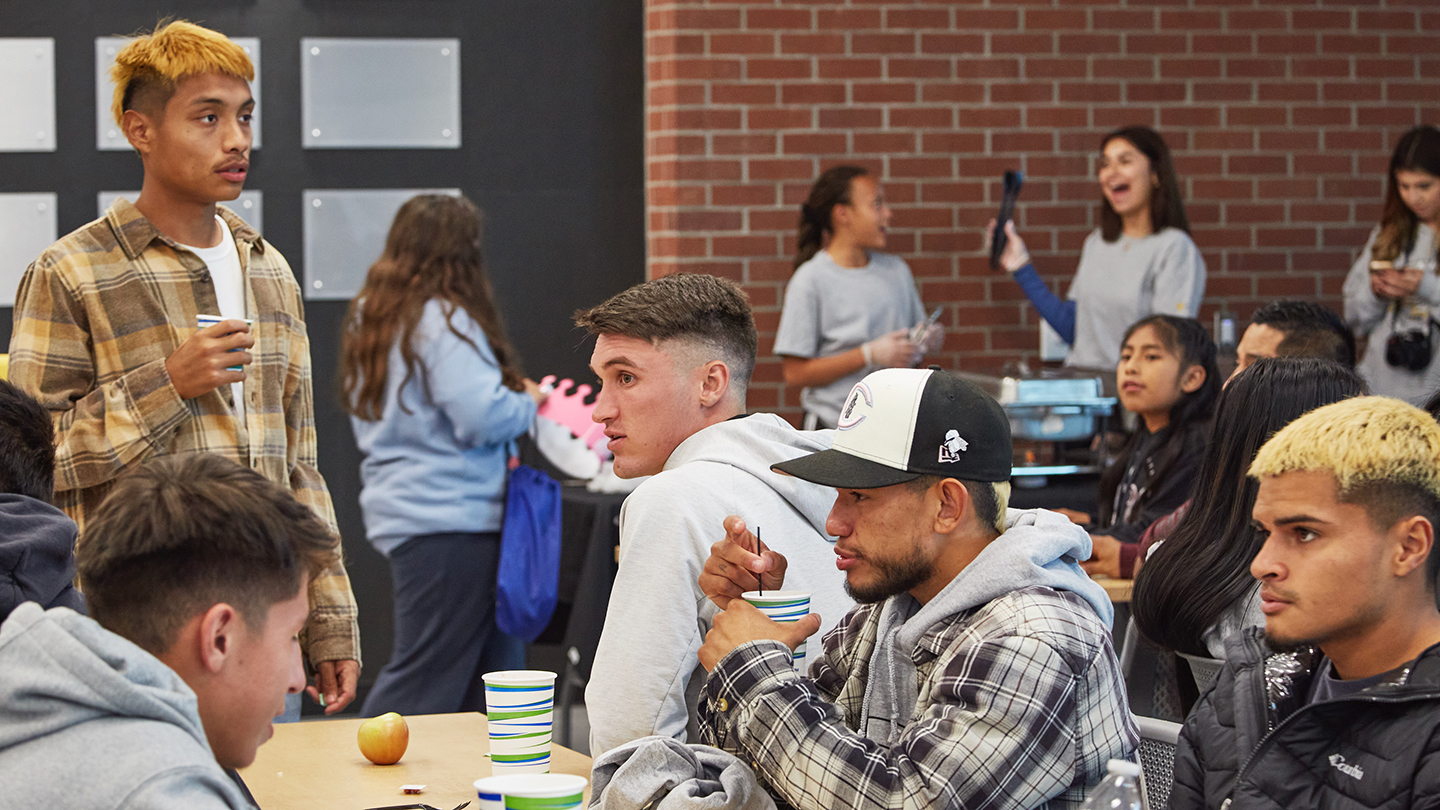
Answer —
(1119, 790)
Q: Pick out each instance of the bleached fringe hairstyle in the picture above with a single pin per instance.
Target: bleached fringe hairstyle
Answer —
(1362, 440)
(174, 50)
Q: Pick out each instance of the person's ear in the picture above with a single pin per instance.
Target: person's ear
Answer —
(840, 217)
(139, 130)
(1192, 379)
(956, 506)
(714, 383)
(1414, 542)
(219, 629)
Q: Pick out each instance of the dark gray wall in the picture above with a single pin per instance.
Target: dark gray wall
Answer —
(552, 125)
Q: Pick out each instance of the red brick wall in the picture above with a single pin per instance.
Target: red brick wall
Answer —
(1281, 114)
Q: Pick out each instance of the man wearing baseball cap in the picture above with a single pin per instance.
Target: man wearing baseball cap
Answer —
(977, 670)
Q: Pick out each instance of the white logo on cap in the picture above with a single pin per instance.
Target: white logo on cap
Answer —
(952, 447)
(848, 419)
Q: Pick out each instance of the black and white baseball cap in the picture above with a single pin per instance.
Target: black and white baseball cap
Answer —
(901, 423)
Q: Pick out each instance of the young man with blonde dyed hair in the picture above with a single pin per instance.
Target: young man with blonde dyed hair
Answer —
(106, 333)
(1336, 702)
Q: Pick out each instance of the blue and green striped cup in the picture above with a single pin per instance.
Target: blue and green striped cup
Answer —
(784, 607)
(542, 791)
(519, 706)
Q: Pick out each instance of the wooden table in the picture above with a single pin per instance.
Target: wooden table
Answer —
(1117, 589)
(318, 764)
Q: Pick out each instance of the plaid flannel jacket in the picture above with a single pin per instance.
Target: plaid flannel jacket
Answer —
(96, 316)
(1020, 705)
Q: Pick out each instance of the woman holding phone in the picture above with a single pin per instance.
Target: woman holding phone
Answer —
(849, 308)
(1140, 261)
(1392, 294)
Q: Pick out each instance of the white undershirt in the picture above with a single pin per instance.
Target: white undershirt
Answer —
(223, 261)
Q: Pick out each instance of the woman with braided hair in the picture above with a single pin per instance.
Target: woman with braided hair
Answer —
(849, 308)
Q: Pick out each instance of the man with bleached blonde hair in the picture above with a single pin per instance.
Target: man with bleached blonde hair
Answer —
(1336, 702)
(107, 334)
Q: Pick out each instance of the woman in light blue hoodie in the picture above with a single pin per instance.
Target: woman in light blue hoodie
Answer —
(435, 396)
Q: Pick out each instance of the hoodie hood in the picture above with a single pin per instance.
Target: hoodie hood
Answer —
(753, 443)
(1038, 548)
(37, 555)
(59, 669)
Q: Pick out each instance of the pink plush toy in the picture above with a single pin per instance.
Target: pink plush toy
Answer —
(566, 405)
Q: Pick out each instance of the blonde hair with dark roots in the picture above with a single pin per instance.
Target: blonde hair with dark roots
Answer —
(148, 68)
(1362, 440)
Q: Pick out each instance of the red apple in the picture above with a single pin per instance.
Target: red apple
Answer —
(383, 739)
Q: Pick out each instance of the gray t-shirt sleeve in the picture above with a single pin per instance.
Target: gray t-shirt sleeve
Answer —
(1179, 279)
(799, 332)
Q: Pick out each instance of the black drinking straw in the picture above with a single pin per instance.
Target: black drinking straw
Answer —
(760, 583)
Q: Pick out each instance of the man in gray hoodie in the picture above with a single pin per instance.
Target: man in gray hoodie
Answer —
(978, 669)
(674, 357)
(195, 570)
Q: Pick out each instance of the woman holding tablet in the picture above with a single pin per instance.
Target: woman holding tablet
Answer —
(1392, 295)
(1140, 261)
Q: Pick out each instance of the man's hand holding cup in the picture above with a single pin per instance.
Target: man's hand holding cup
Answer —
(214, 356)
(742, 622)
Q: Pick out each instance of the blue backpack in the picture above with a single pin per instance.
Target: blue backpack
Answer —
(529, 576)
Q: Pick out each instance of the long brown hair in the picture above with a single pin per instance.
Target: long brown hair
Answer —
(831, 189)
(1418, 151)
(1167, 205)
(433, 251)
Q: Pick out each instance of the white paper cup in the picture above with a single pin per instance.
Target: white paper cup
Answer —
(541, 791)
(519, 706)
(784, 607)
(203, 321)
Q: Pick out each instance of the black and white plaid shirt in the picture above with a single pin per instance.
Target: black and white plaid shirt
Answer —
(1021, 704)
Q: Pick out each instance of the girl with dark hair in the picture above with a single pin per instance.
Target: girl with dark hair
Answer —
(1140, 260)
(1168, 378)
(435, 395)
(1392, 295)
(848, 308)
(1195, 589)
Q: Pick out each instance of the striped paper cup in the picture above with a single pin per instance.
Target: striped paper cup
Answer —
(540, 791)
(203, 321)
(783, 606)
(519, 706)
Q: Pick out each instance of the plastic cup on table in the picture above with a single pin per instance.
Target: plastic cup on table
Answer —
(538, 791)
(203, 321)
(784, 607)
(519, 706)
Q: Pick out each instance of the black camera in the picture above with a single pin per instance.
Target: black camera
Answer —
(1409, 350)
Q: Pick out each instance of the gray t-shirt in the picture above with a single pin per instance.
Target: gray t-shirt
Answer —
(830, 309)
(1326, 686)
(1376, 319)
(1120, 282)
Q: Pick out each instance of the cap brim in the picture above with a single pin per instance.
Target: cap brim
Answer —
(836, 468)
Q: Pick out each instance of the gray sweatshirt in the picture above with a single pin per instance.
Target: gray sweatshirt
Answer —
(1120, 282)
(644, 680)
(1376, 319)
(89, 720)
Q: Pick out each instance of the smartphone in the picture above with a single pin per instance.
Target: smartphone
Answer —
(920, 330)
(1013, 181)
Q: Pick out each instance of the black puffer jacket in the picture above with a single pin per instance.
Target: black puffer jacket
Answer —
(1252, 743)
